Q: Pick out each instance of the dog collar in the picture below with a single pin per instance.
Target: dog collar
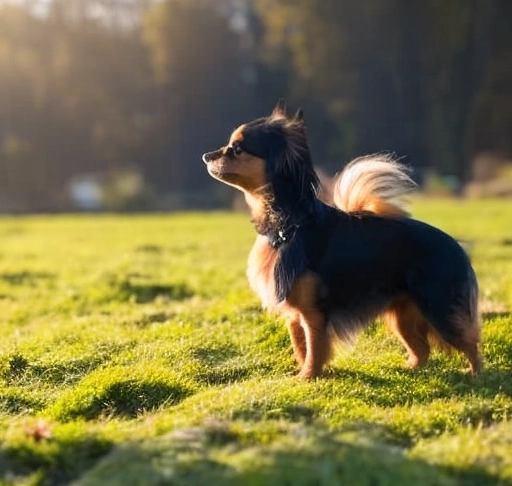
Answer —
(282, 236)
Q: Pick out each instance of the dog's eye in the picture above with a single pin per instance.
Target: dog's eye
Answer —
(233, 150)
(237, 149)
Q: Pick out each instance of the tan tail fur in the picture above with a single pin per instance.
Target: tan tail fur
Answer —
(375, 183)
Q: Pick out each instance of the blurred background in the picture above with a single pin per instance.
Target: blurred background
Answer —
(109, 104)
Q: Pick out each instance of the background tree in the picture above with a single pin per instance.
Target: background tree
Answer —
(197, 59)
(145, 86)
(70, 90)
(455, 53)
(399, 76)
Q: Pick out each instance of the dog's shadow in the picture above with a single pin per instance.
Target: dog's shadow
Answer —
(402, 386)
(398, 385)
(496, 315)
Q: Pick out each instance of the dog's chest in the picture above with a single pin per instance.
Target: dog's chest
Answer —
(260, 271)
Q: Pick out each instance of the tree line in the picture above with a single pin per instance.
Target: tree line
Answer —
(113, 87)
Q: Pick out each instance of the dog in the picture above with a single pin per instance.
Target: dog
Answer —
(332, 269)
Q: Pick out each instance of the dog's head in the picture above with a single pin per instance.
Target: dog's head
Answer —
(268, 153)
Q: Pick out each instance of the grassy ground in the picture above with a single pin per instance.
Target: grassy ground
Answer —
(133, 353)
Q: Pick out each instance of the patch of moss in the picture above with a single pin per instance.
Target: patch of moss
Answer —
(119, 391)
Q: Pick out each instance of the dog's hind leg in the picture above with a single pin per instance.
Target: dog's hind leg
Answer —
(472, 353)
(453, 313)
(406, 321)
(302, 302)
(467, 339)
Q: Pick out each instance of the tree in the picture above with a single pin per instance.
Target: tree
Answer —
(456, 58)
(69, 96)
(400, 76)
(198, 66)
(353, 57)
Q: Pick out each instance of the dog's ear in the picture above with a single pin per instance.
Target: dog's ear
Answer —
(291, 172)
(280, 109)
(299, 115)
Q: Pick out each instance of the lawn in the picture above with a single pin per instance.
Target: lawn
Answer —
(134, 353)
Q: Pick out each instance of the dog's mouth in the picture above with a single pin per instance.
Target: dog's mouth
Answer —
(214, 169)
(217, 171)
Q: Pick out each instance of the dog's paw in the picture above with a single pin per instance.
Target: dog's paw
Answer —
(415, 362)
(306, 375)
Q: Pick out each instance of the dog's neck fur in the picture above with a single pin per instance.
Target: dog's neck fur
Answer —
(289, 199)
(274, 221)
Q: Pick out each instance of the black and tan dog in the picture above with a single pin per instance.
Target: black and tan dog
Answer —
(332, 270)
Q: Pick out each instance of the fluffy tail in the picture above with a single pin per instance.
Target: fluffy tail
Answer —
(376, 183)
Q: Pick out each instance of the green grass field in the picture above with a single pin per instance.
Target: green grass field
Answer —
(134, 353)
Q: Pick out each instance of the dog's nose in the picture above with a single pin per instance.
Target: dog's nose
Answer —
(209, 156)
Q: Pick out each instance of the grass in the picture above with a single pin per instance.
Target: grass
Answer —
(134, 353)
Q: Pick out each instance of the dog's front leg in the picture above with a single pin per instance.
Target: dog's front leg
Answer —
(307, 325)
(298, 338)
(317, 344)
